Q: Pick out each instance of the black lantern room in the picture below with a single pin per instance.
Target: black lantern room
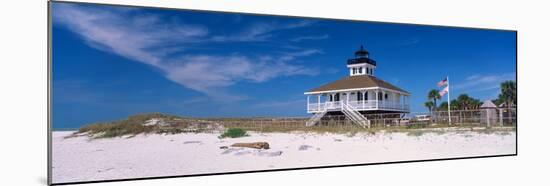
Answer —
(361, 56)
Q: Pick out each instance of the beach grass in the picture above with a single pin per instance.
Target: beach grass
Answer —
(132, 125)
(115, 129)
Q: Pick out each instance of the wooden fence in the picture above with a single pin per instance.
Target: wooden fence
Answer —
(480, 117)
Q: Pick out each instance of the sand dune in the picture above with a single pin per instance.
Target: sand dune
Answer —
(83, 159)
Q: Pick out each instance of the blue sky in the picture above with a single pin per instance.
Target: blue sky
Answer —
(110, 62)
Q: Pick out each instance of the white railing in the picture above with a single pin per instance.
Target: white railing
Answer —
(358, 105)
(368, 104)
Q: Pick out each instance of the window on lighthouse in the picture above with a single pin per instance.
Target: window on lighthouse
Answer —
(360, 70)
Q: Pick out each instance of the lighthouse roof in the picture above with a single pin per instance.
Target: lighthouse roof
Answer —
(356, 82)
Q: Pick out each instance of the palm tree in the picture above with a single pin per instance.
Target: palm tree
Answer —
(475, 103)
(429, 105)
(443, 105)
(508, 93)
(434, 95)
(499, 100)
(455, 105)
(464, 101)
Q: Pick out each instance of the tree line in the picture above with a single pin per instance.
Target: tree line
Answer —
(508, 93)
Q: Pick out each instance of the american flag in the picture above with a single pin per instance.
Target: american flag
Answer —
(442, 82)
(444, 91)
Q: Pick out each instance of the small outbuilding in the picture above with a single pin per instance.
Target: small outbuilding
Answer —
(489, 113)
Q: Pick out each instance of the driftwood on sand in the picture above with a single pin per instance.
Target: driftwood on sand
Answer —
(256, 145)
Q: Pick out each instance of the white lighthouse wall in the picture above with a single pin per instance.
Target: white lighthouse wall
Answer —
(366, 69)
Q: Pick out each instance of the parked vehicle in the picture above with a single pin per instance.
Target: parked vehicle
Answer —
(422, 118)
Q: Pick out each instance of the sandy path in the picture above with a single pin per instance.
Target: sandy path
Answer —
(81, 159)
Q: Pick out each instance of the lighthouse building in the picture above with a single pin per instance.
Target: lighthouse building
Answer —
(357, 95)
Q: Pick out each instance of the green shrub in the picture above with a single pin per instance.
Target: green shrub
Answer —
(233, 133)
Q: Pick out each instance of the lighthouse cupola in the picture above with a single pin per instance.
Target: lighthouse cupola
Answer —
(361, 64)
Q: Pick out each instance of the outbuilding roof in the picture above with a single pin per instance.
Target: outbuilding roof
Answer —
(356, 82)
(488, 104)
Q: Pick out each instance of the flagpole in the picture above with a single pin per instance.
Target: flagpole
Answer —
(449, 99)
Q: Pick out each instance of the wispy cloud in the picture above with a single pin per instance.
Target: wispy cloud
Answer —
(478, 83)
(149, 39)
(204, 73)
(142, 38)
(260, 31)
(319, 37)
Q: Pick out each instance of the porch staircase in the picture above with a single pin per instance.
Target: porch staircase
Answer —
(355, 116)
(315, 118)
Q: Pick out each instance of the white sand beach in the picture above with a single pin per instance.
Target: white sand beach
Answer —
(83, 159)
